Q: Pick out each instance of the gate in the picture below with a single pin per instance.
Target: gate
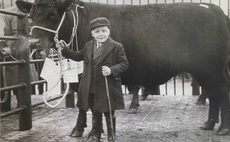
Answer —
(24, 88)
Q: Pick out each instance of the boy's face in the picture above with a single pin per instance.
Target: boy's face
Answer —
(101, 34)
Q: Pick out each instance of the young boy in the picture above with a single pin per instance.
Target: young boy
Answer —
(103, 57)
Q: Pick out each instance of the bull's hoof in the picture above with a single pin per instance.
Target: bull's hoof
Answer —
(223, 132)
(91, 138)
(201, 102)
(208, 125)
(76, 133)
(143, 97)
(132, 111)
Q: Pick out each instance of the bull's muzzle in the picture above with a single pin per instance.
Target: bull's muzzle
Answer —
(34, 43)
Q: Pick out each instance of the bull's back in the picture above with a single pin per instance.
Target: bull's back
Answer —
(167, 39)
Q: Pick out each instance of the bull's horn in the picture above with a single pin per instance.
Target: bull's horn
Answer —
(33, 41)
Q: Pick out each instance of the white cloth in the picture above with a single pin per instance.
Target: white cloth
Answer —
(98, 44)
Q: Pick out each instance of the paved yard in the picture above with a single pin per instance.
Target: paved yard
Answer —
(160, 119)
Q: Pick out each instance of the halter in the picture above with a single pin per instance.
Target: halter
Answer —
(56, 32)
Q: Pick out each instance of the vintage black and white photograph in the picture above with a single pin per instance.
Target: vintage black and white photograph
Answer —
(115, 70)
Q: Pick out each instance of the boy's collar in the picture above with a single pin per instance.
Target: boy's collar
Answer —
(101, 43)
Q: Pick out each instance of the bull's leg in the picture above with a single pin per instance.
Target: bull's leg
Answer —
(225, 119)
(218, 98)
(135, 100)
(133, 89)
(212, 115)
(80, 125)
(144, 93)
(202, 98)
(150, 90)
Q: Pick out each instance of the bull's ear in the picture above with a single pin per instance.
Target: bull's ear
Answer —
(24, 6)
(66, 5)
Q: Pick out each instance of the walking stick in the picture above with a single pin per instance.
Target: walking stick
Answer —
(110, 110)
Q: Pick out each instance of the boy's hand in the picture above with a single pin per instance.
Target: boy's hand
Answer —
(60, 45)
(106, 71)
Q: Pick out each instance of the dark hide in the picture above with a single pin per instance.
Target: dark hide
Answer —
(160, 41)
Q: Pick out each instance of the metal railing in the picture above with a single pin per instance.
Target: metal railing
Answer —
(24, 88)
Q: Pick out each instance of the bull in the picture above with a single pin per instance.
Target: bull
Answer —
(160, 41)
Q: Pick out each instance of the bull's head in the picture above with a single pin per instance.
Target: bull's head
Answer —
(47, 14)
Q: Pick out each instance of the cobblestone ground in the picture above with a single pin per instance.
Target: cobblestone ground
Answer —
(160, 118)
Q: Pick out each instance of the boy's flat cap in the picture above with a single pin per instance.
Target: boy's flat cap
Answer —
(99, 22)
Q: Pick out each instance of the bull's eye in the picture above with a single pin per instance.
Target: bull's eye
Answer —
(51, 16)
(40, 9)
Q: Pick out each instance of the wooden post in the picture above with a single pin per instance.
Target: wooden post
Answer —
(25, 117)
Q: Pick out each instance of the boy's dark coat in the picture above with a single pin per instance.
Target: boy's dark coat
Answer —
(113, 56)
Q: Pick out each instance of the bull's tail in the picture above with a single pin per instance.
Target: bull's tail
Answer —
(227, 20)
(227, 70)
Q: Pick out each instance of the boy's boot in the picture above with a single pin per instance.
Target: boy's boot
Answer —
(95, 134)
